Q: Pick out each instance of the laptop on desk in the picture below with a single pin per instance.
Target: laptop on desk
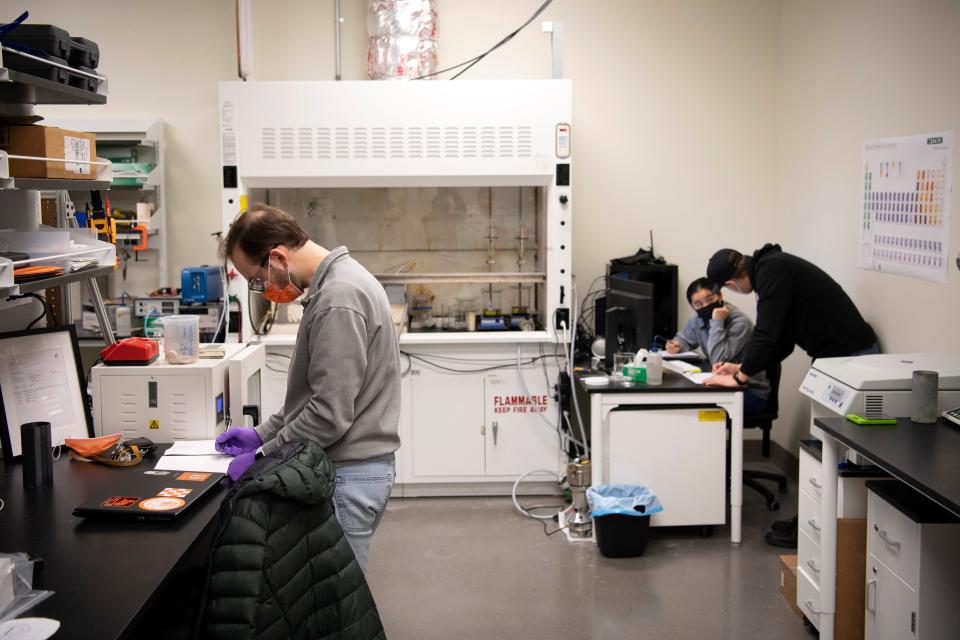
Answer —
(156, 496)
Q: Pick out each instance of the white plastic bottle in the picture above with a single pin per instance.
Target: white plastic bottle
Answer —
(655, 368)
(123, 321)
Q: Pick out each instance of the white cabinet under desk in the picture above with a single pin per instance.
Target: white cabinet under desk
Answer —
(913, 568)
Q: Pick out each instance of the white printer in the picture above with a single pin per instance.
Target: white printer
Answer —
(876, 385)
(167, 402)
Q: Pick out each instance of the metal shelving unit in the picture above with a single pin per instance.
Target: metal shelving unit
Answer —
(20, 88)
(146, 137)
(20, 197)
(67, 278)
(51, 184)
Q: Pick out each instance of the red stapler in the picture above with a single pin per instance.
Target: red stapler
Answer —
(130, 351)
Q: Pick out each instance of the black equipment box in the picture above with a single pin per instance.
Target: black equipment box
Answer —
(47, 38)
(38, 69)
(663, 277)
(84, 53)
(83, 82)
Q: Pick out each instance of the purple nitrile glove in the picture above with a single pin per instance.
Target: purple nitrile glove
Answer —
(237, 440)
(240, 464)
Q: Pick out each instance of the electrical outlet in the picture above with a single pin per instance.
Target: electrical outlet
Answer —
(562, 316)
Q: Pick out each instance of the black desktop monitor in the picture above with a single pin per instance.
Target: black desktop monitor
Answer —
(629, 317)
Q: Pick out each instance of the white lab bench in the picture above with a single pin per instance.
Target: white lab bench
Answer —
(675, 445)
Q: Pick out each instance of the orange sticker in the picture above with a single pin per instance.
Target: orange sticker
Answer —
(174, 492)
(119, 501)
(193, 476)
(161, 504)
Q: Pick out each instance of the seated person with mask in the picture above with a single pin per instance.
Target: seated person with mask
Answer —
(722, 331)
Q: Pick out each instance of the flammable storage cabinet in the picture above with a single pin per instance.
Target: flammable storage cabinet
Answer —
(679, 453)
(167, 402)
(457, 197)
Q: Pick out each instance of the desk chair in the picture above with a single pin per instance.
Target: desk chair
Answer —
(764, 421)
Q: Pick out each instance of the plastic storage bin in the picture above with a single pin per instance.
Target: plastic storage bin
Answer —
(621, 518)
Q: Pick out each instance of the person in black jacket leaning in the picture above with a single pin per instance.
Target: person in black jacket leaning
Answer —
(797, 304)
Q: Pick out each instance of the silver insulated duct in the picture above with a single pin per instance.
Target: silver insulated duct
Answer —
(403, 38)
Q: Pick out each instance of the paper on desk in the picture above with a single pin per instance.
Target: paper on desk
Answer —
(217, 463)
(683, 368)
(192, 448)
(697, 378)
(682, 354)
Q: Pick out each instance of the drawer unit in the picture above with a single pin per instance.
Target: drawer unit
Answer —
(808, 597)
(810, 475)
(913, 568)
(893, 538)
(810, 520)
(851, 536)
(808, 557)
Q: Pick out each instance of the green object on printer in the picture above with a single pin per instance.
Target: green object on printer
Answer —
(869, 422)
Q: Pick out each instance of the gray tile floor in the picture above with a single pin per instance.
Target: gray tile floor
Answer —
(474, 568)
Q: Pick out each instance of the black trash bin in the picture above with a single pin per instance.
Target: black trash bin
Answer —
(621, 518)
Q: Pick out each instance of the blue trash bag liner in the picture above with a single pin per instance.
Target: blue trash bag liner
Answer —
(622, 499)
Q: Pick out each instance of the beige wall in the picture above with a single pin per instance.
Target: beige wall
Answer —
(849, 72)
(163, 59)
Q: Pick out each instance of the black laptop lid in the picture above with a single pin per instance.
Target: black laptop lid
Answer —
(150, 495)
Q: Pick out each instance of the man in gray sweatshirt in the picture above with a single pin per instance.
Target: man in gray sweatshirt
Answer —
(343, 386)
(722, 331)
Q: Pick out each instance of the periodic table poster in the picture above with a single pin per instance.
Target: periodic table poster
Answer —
(905, 206)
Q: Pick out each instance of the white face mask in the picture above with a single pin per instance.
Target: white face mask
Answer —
(734, 286)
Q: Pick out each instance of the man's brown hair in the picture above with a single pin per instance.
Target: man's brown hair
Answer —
(261, 228)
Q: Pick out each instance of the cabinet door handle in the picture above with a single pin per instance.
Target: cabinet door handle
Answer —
(886, 538)
(813, 524)
(809, 605)
(496, 428)
(815, 483)
(871, 596)
(813, 565)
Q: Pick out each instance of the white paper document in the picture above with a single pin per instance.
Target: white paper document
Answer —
(697, 378)
(682, 354)
(683, 368)
(217, 463)
(193, 448)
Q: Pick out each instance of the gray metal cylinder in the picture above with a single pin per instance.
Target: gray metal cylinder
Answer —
(923, 398)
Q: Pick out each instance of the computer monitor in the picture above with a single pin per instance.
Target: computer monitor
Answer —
(629, 317)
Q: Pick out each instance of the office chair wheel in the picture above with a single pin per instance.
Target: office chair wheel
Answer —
(706, 530)
(773, 505)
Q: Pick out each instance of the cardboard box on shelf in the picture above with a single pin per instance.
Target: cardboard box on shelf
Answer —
(49, 142)
(788, 582)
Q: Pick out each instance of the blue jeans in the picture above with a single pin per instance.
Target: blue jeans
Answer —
(360, 498)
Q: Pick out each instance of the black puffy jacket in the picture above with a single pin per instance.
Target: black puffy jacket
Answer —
(280, 566)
